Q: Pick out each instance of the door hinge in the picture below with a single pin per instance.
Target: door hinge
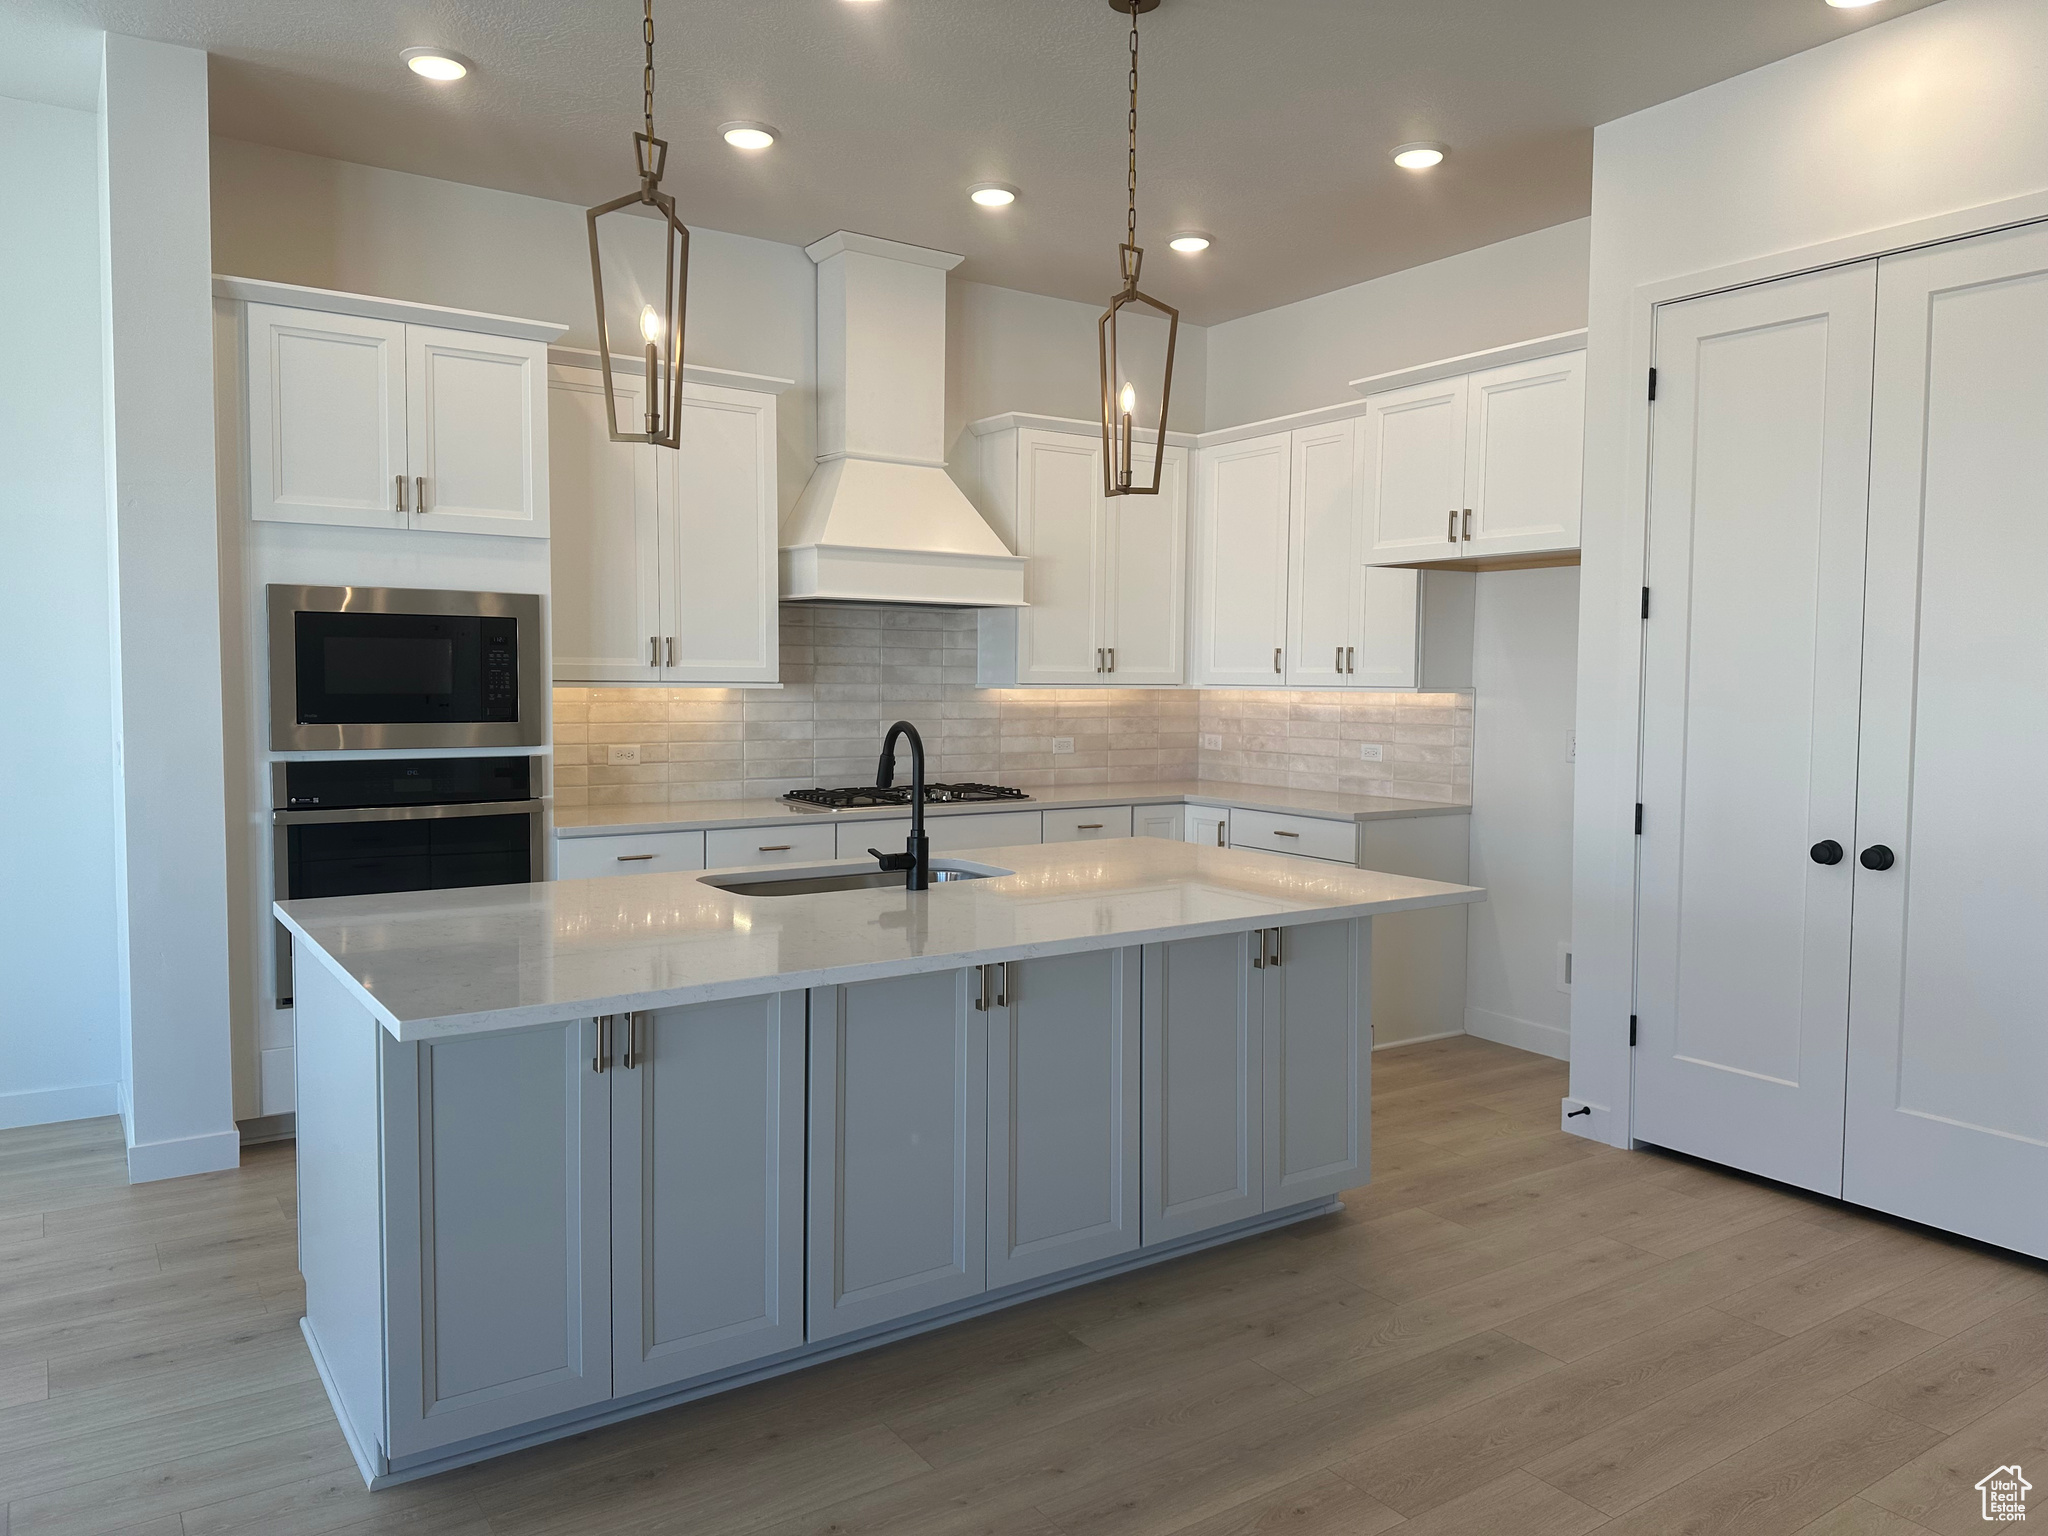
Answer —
(1631, 1031)
(1653, 383)
(1646, 602)
(1639, 818)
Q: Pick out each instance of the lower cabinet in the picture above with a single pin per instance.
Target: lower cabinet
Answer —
(1317, 1055)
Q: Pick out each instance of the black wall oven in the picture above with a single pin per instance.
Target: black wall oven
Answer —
(356, 667)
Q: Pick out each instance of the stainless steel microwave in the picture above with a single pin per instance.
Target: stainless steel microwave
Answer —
(404, 667)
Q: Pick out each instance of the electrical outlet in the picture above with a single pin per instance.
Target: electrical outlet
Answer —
(1571, 746)
(1372, 752)
(1212, 742)
(623, 756)
(1063, 743)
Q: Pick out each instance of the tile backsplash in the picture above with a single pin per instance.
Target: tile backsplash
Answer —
(849, 671)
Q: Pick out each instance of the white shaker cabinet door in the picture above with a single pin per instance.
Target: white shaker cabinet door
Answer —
(476, 432)
(707, 1188)
(1202, 1098)
(1322, 562)
(1316, 991)
(1524, 455)
(898, 1149)
(497, 1241)
(1063, 1113)
(326, 419)
(1389, 620)
(718, 540)
(1145, 615)
(1241, 555)
(1060, 521)
(606, 600)
(1411, 471)
(1948, 1056)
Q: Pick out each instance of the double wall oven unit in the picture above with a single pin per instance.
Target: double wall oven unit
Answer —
(397, 667)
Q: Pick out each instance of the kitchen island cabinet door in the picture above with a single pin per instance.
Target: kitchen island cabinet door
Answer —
(707, 1188)
(898, 1152)
(1063, 1113)
(497, 1243)
(1201, 1096)
(1316, 1038)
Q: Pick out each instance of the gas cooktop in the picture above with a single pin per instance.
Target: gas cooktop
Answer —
(863, 796)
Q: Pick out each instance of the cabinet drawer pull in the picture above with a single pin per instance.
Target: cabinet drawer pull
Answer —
(633, 858)
(773, 848)
(419, 497)
(1089, 826)
(1278, 833)
(1451, 532)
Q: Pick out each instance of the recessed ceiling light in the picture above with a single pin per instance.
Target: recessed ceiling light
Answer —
(748, 135)
(1850, 5)
(435, 63)
(1418, 157)
(992, 194)
(1189, 241)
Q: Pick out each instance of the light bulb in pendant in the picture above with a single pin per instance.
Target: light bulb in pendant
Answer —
(1128, 400)
(650, 325)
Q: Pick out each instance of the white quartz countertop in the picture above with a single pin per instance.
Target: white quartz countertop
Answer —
(697, 815)
(432, 964)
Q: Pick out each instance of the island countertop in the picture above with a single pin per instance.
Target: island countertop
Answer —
(431, 964)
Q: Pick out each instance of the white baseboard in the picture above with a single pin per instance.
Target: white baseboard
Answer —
(47, 1106)
(1395, 1045)
(1522, 1034)
(152, 1160)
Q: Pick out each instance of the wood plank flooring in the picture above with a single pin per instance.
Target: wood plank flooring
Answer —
(1509, 1331)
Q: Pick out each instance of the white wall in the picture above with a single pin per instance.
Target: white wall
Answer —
(1524, 675)
(1942, 110)
(1304, 355)
(58, 1054)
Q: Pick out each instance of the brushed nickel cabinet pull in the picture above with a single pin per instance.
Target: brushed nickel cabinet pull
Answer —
(401, 492)
(1276, 658)
(1098, 658)
(671, 650)
(1258, 938)
(633, 858)
(603, 1057)
(981, 989)
(634, 1057)
(1112, 658)
(1278, 833)
(1275, 961)
(1338, 664)
(1451, 531)
(773, 848)
(1220, 826)
(1468, 525)
(1088, 826)
(1350, 658)
(1003, 984)
(654, 650)
(419, 499)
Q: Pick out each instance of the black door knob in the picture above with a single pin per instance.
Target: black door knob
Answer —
(1826, 851)
(1876, 856)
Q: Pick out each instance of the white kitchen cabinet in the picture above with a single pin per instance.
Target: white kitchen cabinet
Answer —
(1241, 535)
(1087, 824)
(1202, 1095)
(945, 834)
(1318, 1053)
(707, 1188)
(1165, 821)
(496, 1169)
(1207, 824)
(1411, 471)
(1107, 578)
(664, 561)
(1063, 1112)
(628, 853)
(1308, 837)
(371, 422)
(778, 843)
(1323, 564)
(898, 1148)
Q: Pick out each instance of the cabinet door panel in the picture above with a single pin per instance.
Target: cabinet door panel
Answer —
(1948, 1057)
(326, 418)
(606, 604)
(1322, 561)
(1060, 528)
(719, 530)
(1063, 1114)
(708, 1189)
(1524, 453)
(1317, 1056)
(898, 1152)
(1241, 630)
(1411, 471)
(476, 418)
(1389, 628)
(496, 1169)
(1202, 1097)
(1145, 629)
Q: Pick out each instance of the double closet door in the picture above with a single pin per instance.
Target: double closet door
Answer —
(1842, 976)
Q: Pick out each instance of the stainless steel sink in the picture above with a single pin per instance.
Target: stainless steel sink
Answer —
(816, 882)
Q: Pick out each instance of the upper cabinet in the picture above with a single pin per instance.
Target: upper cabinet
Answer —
(1107, 578)
(664, 562)
(1475, 465)
(363, 420)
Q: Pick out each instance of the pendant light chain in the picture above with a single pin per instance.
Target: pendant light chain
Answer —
(1131, 224)
(647, 75)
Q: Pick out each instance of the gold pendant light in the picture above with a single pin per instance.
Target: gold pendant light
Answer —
(1121, 397)
(661, 314)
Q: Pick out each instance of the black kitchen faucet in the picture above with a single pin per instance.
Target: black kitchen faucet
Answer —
(916, 859)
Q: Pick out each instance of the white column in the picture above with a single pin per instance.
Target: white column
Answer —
(171, 863)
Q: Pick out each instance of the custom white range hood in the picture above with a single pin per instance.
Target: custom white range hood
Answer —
(881, 521)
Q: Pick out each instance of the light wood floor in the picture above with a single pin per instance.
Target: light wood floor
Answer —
(1510, 1332)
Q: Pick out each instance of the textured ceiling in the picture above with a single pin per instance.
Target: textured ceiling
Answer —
(1266, 123)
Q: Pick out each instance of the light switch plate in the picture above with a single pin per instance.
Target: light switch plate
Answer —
(1372, 752)
(623, 756)
(1063, 743)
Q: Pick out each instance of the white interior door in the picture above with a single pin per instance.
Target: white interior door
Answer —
(326, 419)
(1758, 498)
(1060, 530)
(476, 432)
(1525, 455)
(605, 578)
(1948, 1053)
(1241, 629)
(720, 616)
(1322, 559)
(1145, 630)
(1411, 471)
